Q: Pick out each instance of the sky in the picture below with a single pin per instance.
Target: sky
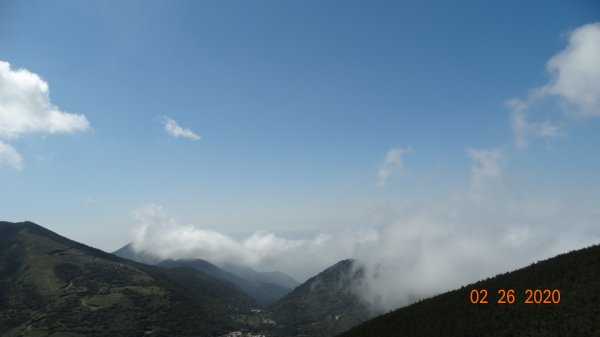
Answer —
(446, 140)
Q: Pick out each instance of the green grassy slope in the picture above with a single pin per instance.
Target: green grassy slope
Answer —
(53, 286)
(576, 275)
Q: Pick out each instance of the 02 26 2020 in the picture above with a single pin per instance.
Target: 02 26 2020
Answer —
(508, 296)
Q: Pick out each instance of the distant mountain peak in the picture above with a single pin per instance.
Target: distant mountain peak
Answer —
(265, 287)
(276, 277)
(325, 304)
(130, 253)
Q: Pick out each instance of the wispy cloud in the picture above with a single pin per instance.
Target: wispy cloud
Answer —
(25, 108)
(486, 164)
(524, 128)
(394, 162)
(175, 130)
(10, 157)
(575, 82)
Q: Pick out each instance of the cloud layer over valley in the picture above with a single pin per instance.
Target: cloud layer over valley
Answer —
(423, 248)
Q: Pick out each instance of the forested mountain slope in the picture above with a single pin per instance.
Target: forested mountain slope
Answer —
(53, 286)
(576, 275)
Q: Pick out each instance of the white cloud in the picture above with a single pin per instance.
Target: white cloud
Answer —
(576, 71)
(174, 130)
(394, 161)
(10, 157)
(486, 164)
(25, 108)
(575, 83)
(164, 237)
(524, 129)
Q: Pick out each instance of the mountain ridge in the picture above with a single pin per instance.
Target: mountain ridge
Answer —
(54, 286)
(263, 292)
(324, 305)
(265, 287)
(276, 277)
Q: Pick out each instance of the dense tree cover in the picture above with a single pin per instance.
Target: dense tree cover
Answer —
(52, 286)
(576, 275)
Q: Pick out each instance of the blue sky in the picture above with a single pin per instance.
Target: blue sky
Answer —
(298, 104)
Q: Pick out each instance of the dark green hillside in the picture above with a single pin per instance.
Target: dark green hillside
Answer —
(322, 306)
(576, 275)
(262, 292)
(53, 286)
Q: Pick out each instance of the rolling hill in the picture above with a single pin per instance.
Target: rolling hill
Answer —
(576, 275)
(53, 286)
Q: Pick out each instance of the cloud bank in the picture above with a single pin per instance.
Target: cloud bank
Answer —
(574, 82)
(422, 249)
(158, 234)
(176, 131)
(25, 108)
